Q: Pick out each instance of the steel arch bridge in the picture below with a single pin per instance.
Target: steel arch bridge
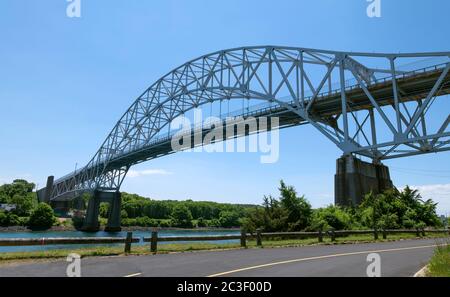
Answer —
(379, 106)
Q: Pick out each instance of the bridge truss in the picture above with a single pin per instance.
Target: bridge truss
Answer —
(379, 106)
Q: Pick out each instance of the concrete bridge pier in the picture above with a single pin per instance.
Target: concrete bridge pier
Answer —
(91, 223)
(114, 213)
(355, 178)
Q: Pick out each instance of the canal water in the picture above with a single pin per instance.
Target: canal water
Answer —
(140, 234)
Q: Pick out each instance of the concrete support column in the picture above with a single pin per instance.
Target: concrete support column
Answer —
(91, 223)
(114, 213)
(45, 194)
(355, 178)
(48, 189)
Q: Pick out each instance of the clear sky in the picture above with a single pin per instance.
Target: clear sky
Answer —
(64, 82)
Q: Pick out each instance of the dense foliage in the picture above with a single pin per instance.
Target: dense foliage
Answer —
(389, 210)
(145, 212)
(42, 216)
(288, 212)
(20, 193)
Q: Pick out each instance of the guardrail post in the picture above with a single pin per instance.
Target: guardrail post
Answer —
(243, 239)
(333, 235)
(154, 241)
(423, 232)
(417, 232)
(384, 234)
(320, 236)
(258, 237)
(128, 241)
(375, 234)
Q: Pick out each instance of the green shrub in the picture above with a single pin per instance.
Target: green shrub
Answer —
(332, 216)
(10, 219)
(146, 222)
(165, 223)
(4, 222)
(42, 217)
(77, 222)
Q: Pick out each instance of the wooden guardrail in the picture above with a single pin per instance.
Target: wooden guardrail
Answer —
(69, 240)
(243, 237)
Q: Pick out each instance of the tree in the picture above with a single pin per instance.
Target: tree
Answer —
(19, 192)
(397, 209)
(182, 217)
(298, 208)
(42, 217)
(290, 213)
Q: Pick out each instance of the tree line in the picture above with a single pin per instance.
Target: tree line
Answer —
(391, 209)
(140, 211)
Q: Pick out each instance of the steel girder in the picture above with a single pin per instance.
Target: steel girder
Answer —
(297, 80)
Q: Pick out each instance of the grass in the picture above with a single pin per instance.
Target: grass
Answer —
(439, 265)
(117, 250)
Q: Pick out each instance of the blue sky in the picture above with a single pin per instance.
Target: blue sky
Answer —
(64, 82)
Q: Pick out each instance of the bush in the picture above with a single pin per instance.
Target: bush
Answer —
(165, 223)
(229, 219)
(14, 220)
(127, 222)
(77, 222)
(146, 222)
(331, 216)
(4, 222)
(42, 217)
(24, 221)
(10, 219)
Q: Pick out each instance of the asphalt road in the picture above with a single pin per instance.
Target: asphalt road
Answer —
(400, 258)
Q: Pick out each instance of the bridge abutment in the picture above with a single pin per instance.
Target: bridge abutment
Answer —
(355, 178)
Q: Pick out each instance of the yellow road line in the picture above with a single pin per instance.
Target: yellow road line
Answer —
(321, 257)
(133, 275)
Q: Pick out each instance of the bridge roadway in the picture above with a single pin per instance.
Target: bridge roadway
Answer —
(400, 259)
(412, 86)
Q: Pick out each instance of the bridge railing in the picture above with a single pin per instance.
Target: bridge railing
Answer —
(243, 237)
